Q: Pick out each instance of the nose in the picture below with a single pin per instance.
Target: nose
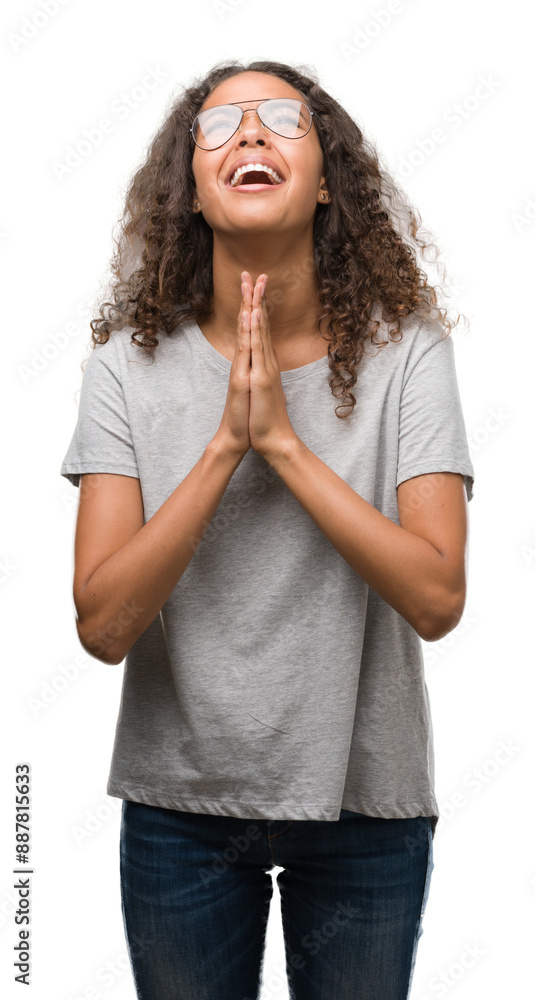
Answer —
(251, 127)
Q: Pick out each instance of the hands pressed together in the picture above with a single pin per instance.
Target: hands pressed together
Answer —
(255, 412)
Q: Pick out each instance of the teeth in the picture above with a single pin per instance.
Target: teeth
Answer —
(254, 166)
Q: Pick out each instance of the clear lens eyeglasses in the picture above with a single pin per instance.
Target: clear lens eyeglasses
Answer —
(287, 117)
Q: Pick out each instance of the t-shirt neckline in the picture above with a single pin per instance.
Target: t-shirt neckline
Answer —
(223, 363)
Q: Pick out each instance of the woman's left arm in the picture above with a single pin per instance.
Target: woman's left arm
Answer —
(416, 566)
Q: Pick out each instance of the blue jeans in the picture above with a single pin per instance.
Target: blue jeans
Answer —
(196, 891)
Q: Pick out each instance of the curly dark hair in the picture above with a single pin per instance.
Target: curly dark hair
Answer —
(362, 252)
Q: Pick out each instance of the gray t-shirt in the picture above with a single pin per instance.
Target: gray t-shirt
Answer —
(274, 683)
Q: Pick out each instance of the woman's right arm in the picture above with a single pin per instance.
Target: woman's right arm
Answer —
(124, 570)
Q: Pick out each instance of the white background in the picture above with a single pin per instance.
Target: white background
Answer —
(62, 73)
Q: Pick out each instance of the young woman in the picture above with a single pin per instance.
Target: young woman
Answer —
(268, 561)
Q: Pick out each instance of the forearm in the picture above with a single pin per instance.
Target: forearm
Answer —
(402, 568)
(128, 590)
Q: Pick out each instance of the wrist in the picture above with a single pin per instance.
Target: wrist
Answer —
(225, 449)
(281, 452)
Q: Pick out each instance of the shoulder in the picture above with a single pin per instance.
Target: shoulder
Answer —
(400, 352)
(425, 343)
(419, 335)
(99, 354)
(129, 350)
(105, 363)
(118, 352)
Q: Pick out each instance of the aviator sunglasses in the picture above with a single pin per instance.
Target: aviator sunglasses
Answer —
(285, 116)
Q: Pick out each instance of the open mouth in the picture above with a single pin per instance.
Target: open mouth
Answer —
(257, 174)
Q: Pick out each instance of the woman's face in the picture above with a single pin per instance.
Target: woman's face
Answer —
(281, 207)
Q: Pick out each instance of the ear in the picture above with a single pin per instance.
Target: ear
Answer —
(323, 194)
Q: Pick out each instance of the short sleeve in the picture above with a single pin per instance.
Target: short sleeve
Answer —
(102, 440)
(432, 433)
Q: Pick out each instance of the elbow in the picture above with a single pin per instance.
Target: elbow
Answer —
(100, 645)
(101, 640)
(440, 618)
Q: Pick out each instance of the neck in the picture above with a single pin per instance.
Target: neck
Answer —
(291, 293)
